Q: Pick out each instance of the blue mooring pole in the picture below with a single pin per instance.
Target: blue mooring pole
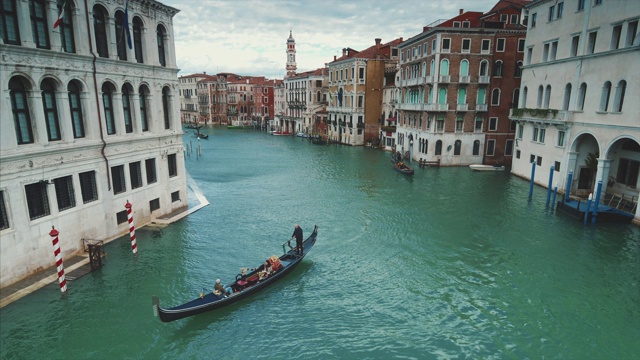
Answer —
(567, 189)
(533, 174)
(595, 207)
(549, 185)
(586, 213)
(555, 192)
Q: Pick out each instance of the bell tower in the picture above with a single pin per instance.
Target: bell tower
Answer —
(291, 56)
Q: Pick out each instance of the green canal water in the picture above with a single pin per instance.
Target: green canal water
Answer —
(447, 264)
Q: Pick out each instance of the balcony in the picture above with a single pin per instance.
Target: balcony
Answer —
(428, 79)
(464, 79)
(410, 107)
(437, 107)
(445, 78)
(415, 81)
(481, 107)
(483, 79)
(462, 107)
(552, 116)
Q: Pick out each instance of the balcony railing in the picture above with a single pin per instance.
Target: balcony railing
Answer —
(551, 115)
(437, 107)
(445, 78)
(464, 79)
(428, 79)
(483, 79)
(462, 107)
(410, 107)
(481, 107)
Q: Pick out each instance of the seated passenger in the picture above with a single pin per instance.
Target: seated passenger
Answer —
(219, 289)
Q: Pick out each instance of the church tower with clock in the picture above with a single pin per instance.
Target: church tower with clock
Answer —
(291, 56)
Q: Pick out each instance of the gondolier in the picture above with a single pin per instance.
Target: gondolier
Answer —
(297, 233)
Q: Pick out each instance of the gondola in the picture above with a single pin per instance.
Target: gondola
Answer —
(403, 168)
(245, 285)
(203, 136)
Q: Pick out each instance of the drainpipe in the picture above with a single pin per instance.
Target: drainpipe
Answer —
(95, 85)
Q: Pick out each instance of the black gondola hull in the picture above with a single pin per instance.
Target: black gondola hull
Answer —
(211, 301)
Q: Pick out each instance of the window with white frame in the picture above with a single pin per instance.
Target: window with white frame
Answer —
(615, 37)
(552, 12)
(491, 147)
(493, 124)
(553, 51)
(618, 101)
(559, 10)
(37, 200)
(534, 18)
(446, 45)
(466, 46)
(504, 18)
(604, 98)
(632, 32)
(477, 127)
(582, 93)
(486, 46)
(521, 43)
(456, 24)
(500, 44)
(591, 42)
(495, 97)
(514, 18)
(508, 147)
(575, 41)
(560, 138)
(466, 24)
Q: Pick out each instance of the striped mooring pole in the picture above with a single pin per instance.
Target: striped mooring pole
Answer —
(59, 265)
(132, 230)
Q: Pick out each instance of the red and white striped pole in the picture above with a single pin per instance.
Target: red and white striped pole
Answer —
(132, 230)
(59, 264)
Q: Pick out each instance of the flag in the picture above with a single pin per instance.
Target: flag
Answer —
(126, 23)
(59, 20)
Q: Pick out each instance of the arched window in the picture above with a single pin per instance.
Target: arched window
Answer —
(547, 97)
(137, 39)
(464, 67)
(425, 148)
(582, 93)
(497, 68)
(160, 35)
(20, 109)
(50, 109)
(75, 108)
(166, 107)
(619, 99)
(476, 147)
(515, 99)
(540, 96)
(567, 97)
(107, 102)
(432, 69)
(518, 71)
(39, 26)
(10, 31)
(439, 147)
(126, 108)
(462, 96)
(457, 146)
(442, 96)
(495, 97)
(525, 92)
(66, 26)
(484, 68)
(604, 99)
(424, 69)
(121, 37)
(100, 30)
(482, 96)
(444, 67)
(143, 92)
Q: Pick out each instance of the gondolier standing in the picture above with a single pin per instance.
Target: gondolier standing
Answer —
(297, 233)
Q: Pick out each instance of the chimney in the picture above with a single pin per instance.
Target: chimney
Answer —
(334, 58)
(344, 51)
(378, 40)
(461, 11)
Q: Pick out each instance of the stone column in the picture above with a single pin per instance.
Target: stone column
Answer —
(137, 115)
(24, 24)
(54, 34)
(37, 117)
(571, 166)
(64, 116)
(118, 113)
(604, 166)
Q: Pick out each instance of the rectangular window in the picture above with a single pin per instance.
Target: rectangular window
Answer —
(539, 160)
(542, 133)
(491, 147)
(518, 152)
(556, 166)
(175, 196)
(121, 217)
(493, 123)
(535, 134)
(508, 148)
(64, 192)
(466, 46)
(39, 27)
(560, 138)
(632, 30)
(628, 172)
(532, 158)
(446, 45)
(361, 73)
(591, 43)
(466, 24)
(545, 52)
(4, 217)
(529, 54)
(554, 51)
(37, 199)
(581, 5)
(560, 10)
(534, 18)
(135, 173)
(500, 44)
(459, 124)
(598, 2)
(433, 46)
(514, 18)
(575, 41)
(504, 18)
(456, 24)
(486, 46)
(154, 205)
(117, 177)
(173, 166)
(478, 125)
(150, 165)
(520, 131)
(521, 43)
(552, 11)
(88, 186)
(615, 37)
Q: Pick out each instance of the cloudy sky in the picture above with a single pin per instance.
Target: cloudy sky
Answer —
(248, 37)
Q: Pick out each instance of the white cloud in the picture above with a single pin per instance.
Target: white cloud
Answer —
(249, 37)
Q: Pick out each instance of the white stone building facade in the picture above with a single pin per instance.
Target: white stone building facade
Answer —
(579, 97)
(88, 124)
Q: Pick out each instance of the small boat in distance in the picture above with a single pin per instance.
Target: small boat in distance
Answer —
(245, 284)
(302, 134)
(480, 167)
(403, 168)
(281, 133)
(203, 136)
